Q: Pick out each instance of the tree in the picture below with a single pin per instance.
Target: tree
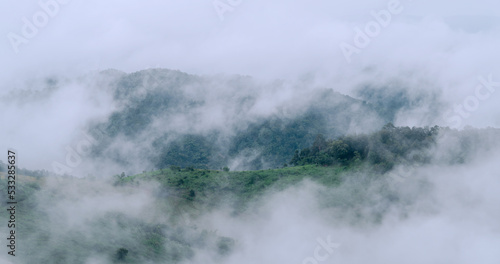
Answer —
(121, 254)
(175, 168)
(319, 143)
(192, 194)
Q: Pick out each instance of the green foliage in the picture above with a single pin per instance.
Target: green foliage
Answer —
(388, 100)
(210, 188)
(381, 149)
(175, 168)
(188, 191)
(276, 139)
(189, 150)
(121, 254)
(121, 238)
(158, 94)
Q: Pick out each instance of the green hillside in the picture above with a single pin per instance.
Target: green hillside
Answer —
(68, 219)
(122, 238)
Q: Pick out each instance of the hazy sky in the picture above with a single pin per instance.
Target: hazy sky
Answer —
(260, 38)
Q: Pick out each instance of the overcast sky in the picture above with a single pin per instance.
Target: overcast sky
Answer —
(444, 46)
(259, 38)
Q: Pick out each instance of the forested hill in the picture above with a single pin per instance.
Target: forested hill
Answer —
(391, 145)
(158, 232)
(382, 149)
(167, 117)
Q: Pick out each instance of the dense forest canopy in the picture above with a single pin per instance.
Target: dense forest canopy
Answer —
(162, 114)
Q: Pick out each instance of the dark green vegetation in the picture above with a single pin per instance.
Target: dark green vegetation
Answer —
(389, 99)
(187, 137)
(161, 127)
(60, 221)
(50, 231)
(118, 237)
(391, 146)
(382, 149)
(22, 171)
(210, 189)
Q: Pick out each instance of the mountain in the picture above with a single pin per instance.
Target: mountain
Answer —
(167, 117)
(160, 216)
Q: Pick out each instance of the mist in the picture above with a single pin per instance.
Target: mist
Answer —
(438, 212)
(437, 48)
(225, 75)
